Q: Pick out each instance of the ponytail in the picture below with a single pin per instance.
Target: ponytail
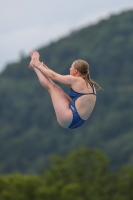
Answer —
(91, 82)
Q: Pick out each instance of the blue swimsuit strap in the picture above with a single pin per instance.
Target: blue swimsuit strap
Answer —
(85, 93)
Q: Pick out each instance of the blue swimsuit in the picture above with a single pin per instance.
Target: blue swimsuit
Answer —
(77, 121)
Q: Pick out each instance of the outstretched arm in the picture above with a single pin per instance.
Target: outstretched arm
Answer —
(67, 80)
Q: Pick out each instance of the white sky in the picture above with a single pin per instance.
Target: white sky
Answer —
(27, 25)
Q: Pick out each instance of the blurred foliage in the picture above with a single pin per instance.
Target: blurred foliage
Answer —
(29, 132)
(81, 175)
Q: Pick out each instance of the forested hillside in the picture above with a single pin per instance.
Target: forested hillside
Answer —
(29, 132)
(82, 174)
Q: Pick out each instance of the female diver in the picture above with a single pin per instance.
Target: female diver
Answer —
(73, 110)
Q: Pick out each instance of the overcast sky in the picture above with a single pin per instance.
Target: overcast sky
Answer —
(27, 25)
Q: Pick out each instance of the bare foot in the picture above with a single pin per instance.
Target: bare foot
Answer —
(31, 65)
(33, 55)
(37, 63)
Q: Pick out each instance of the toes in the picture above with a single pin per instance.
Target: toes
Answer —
(31, 53)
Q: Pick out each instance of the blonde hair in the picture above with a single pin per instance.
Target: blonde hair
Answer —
(83, 67)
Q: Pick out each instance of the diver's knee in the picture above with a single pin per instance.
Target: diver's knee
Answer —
(62, 122)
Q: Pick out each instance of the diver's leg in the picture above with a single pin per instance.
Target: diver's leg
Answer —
(59, 98)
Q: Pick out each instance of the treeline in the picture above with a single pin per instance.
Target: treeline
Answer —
(81, 175)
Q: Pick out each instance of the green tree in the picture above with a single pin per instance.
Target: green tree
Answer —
(19, 187)
(83, 174)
